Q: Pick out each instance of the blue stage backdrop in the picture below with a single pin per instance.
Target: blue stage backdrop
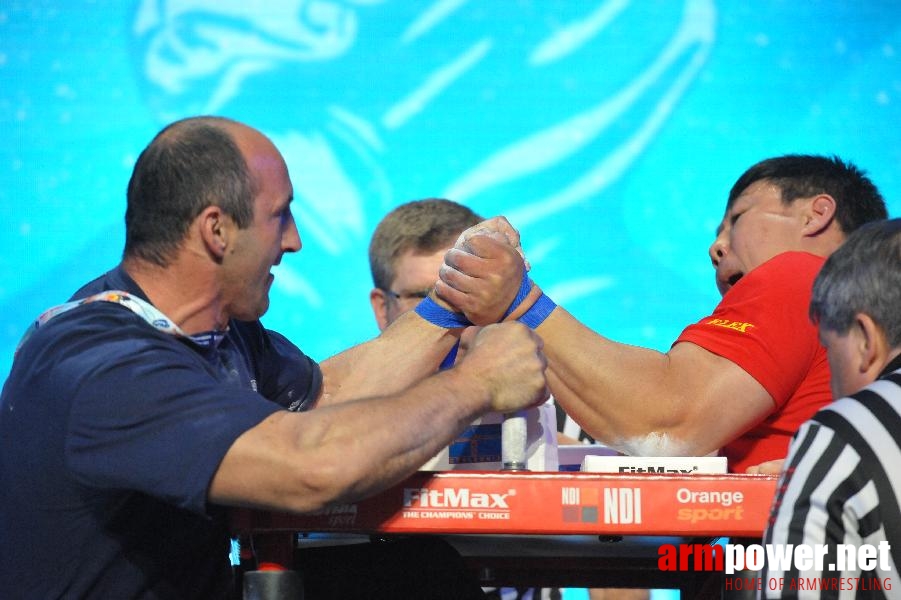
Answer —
(608, 131)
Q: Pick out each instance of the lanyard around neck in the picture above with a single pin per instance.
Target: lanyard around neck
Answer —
(142, 308)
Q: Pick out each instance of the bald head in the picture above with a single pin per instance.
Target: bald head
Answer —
(190, 165)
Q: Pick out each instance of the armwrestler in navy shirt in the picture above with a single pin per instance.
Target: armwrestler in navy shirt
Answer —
(135, 414)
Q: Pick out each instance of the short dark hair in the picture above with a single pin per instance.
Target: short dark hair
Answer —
(189, 165)
(862, 276)
(805, 175)
(419, 225)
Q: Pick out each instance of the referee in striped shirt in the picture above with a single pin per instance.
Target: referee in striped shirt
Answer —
(841, 483)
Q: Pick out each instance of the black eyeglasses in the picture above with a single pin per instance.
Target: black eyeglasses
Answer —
(415, 295)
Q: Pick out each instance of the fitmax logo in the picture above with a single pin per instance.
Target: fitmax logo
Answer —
(653, 469)
(453, 498)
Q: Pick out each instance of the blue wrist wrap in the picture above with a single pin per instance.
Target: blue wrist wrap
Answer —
(538, 312)
(451, 357)
(524, 287)
(435, 314)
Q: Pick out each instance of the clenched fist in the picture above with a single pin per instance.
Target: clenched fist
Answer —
(508, 359)
(482, 273)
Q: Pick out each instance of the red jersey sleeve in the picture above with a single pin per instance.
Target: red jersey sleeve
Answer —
(762, 324)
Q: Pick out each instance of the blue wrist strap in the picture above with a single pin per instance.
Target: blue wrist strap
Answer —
(538, 312)
(524, 288)
(451, 357)
(435, 314)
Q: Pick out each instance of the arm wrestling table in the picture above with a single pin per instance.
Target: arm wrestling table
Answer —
(546, 529)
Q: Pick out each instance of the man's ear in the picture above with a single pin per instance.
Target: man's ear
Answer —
(215, 230)
(873, 350)
(820, 214)
(379, 302)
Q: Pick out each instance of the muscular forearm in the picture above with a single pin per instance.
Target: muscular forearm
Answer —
(643, 401)
(305, 461)
(612, 390)
(349, 450)
(407, 351)
(383, 443)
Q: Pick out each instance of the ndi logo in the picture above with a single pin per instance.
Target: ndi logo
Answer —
(620, 505)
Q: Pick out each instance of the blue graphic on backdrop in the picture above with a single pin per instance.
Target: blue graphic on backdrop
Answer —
(609, 132)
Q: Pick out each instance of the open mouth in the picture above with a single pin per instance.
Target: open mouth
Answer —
(724, 285)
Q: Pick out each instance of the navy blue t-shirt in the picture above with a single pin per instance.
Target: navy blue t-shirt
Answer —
(110, 433)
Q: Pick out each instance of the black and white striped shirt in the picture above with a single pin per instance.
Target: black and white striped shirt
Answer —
(841, 485)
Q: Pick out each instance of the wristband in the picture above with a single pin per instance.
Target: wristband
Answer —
(451, 357)
(538, 312)
(436, 314)
(524, 288)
